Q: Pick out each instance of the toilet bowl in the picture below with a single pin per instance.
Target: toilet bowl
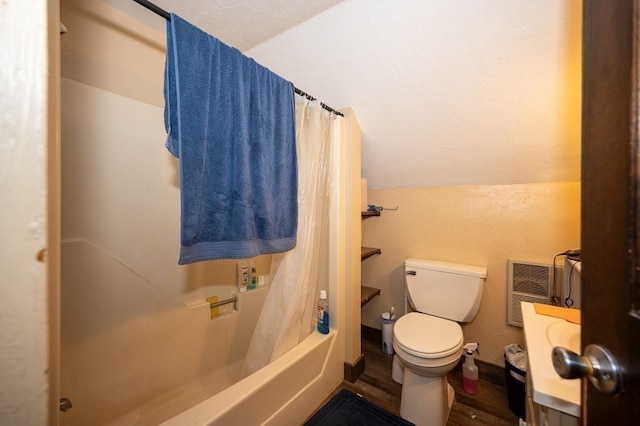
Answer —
(429, 342)
(427, 348)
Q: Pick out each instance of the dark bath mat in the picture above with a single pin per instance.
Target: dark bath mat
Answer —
(346, 408)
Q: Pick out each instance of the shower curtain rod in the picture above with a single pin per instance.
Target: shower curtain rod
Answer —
(166, 15)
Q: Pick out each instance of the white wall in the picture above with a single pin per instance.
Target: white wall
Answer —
(448, 92)
(23, 222)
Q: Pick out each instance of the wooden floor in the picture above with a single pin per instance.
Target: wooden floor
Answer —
(489, 407)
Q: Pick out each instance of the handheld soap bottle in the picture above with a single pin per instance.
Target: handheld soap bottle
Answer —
(470, 370)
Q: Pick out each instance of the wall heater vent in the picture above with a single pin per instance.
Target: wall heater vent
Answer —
(528, 282)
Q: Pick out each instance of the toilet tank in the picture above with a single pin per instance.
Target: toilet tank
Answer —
(444, 289)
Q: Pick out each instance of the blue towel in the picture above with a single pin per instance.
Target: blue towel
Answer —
(231, 122)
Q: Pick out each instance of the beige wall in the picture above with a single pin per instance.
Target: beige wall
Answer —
(107, 49)
(481, 225)
(351, 147)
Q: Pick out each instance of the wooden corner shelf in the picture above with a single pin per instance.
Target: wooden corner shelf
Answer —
(368, 214)
(368, 293)
(367, 252)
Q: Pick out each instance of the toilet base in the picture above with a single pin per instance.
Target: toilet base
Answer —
(397, 370)
(426, 401)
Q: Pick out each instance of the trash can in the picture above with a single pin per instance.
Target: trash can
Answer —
(388, 321)
(515, 370)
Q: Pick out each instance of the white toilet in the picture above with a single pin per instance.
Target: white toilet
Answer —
(428, 343)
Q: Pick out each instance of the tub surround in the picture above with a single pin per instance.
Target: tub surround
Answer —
(119, 340)
(124, 302)
(547, 389)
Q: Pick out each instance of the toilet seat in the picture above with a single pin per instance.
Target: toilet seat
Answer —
(428, 337)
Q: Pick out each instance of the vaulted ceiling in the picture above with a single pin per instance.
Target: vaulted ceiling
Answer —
(242, 24)
(447, 92)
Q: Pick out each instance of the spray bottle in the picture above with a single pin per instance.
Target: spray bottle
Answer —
(470, 370)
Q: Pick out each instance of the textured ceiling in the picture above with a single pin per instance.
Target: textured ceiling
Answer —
(447, 92)
(239, 23)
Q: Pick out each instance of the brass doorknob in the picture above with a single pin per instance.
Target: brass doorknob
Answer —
(597, 364)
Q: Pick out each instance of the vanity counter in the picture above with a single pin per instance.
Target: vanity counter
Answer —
(545, 387)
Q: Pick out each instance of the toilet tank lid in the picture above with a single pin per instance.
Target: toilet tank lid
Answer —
(450, 267)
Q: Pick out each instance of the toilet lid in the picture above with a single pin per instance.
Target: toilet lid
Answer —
(426, 336)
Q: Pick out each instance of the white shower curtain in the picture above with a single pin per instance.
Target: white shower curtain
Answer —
(289, 311)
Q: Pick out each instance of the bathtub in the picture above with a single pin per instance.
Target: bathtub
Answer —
(284, 392)
(131, 354)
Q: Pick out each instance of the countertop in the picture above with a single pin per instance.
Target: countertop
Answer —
(541, 334)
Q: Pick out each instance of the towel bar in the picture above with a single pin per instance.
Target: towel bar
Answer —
(233, 300)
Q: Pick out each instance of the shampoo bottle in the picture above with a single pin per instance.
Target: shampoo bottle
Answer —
(323, 313)
(253, 276)
(243, 276)
(470, 370)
